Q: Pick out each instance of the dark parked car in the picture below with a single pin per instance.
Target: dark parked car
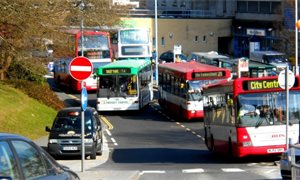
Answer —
(168, 56)
(21, 158)
(65, 134)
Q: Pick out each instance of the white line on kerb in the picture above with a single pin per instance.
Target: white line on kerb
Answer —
(199, 170)
(152, 172)
(81, 68)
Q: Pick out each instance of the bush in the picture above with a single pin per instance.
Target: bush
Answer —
(39, 91)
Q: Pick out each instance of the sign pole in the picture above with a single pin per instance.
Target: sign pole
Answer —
(82, 135)
(286, 80)
(287, 106)
(82, 111)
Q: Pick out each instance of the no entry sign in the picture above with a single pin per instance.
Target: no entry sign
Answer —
(81, 68)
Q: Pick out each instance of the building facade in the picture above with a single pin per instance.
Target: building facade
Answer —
(233, 27)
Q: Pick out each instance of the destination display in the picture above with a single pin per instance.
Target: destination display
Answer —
(208, 74)
(116, 70)
(260, 85)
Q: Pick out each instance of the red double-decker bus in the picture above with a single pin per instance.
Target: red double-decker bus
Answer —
(180, 86)
(247, 116)
(96, 47)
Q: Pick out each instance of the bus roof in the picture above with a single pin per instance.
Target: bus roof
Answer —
(194, 67)
(134, 65)
(252, 64)
(246, 85)
(211, 54)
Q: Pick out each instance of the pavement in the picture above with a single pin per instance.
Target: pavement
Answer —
(89, 170)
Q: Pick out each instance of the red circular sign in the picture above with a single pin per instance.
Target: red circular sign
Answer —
(80, 68)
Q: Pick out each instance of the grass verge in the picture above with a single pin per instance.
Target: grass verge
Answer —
(23, 115)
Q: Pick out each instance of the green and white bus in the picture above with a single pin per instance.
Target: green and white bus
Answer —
(124, 85)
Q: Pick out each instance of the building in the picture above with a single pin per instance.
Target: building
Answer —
(233, 27)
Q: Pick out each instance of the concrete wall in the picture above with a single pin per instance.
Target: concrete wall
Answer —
(184, 32)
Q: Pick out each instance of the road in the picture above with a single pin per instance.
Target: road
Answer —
(156, 145)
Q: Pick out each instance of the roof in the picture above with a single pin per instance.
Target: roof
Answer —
(211, 54)
(191, 66)
(70, 109)
(252, 64)
(4, 136)
(134, 65)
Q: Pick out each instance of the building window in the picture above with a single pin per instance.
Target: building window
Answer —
(276, 7)
(196, 38)
(241, 6)
(265, 7)
(204, 38)
(253, 7)
(163, 41)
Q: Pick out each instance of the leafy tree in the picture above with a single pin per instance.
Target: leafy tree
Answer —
(25, 24)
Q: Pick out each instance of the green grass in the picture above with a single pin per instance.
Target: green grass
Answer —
(23, 115)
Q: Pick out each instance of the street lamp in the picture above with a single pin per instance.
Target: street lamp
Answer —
(296, 38)
(82, 7)
(156, 46)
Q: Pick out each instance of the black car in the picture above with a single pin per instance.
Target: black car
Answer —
(65, 134)
(168, 57)
(21, 158)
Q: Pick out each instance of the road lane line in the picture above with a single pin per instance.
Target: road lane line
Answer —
(114, 141)
(108, 132)
(106, 121)
(152, 172)
(232, 170)
(198, 170)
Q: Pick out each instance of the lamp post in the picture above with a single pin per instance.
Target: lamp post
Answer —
(156, 46)
(82, 7)
(296, 37)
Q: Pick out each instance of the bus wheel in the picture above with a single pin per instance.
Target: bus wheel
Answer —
(230, 153)
(212, 144)
(205, 137)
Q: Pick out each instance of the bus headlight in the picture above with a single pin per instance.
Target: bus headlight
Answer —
(53, 141)
(88, 140)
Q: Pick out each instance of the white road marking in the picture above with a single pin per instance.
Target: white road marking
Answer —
(199, 170)
(108, 132)
(152, 172)
(232, 170)
(114, 141)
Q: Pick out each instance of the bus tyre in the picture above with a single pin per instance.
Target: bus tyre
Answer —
(212, 144)
(205, 137)
(230, 153)
(93, 153)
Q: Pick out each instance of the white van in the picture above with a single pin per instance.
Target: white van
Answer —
(211, 58)
(274, 58)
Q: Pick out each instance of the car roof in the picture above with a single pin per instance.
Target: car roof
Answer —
(65, 111)
(4, 136)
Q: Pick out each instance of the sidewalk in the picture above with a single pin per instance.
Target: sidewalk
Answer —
(90, 166)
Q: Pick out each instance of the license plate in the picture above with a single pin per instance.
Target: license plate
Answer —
(70, 148)
(276, 150)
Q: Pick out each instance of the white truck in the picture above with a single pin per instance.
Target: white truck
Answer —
(274, 58)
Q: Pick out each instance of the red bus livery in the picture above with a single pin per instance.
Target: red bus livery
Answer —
(180, 86)
(96, 47)
(247, 116)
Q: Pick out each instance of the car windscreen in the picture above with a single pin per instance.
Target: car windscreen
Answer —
(71, 123)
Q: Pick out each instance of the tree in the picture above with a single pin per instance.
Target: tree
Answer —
(286, 30)
(25, 23)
